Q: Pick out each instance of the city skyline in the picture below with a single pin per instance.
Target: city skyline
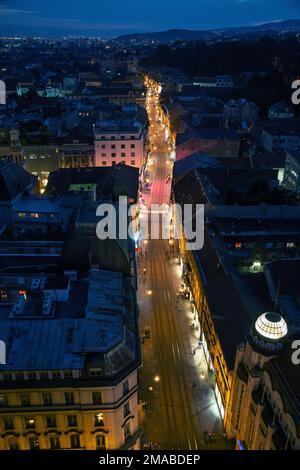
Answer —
(29, 17)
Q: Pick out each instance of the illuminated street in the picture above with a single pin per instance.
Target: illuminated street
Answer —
(180, 402)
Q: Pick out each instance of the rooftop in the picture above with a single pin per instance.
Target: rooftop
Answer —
(14, 180)
(93, 319)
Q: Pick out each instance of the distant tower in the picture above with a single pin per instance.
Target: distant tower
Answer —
(16, 149)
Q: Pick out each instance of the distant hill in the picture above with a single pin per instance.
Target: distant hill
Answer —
(270, 29)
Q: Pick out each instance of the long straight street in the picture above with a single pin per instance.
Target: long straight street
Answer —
(175, 383)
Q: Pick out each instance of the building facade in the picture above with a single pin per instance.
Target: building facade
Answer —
(120, 144)
(70, 378)
(264, 408)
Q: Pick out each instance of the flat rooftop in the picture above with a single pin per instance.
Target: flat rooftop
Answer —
(90, 320)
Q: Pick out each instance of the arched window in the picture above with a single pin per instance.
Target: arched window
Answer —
(75, 441)
(13, 443)
(54, 441)
(100, 442)
(33, 443)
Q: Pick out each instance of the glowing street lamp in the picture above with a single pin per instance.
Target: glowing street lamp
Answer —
(156, 379)
(149, 292)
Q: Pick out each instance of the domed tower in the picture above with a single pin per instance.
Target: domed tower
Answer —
(266, 340)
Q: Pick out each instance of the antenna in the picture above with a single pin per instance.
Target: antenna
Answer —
(277, 295)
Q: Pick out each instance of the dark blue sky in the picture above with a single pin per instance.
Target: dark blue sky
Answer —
(112, 17)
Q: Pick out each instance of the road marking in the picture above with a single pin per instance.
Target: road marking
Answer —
(196, 443)
(190, 447)
(178, 350)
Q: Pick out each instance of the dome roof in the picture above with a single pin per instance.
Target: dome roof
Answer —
(14, 180)
(271, 325)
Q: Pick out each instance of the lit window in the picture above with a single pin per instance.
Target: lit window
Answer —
(290, 245)
(29, 423)
(21, 215)
(34, 215)
(3, 400)
(99, 420)
(238, 245)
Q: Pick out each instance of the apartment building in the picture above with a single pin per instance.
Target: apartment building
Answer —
(117, 142)
(70, 377)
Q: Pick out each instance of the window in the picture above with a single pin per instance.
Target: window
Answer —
(35, 215)
(103, 146)
(122, 137)
(126, 409)
(132, 162)
(113, 155)
(13, 443)
(33, 443)
(44, 375)
(72, 420)
(104, 163)
(99, 421)
(113, 162)
(56, 374)
(25, 399)
(50, 421)
(132, 137)
(69, 398)
(113, 146)
(100, 442)
(132, 154)
(3, 400)
(127, 432)
(29, 422)
(123, 155)
(123, 146)
(54, 442)
(8, 424)
(132, 146)
(21, 215)
(95, 372)
(97, 398)
(75, 441)
(125, 387)
(103, 155)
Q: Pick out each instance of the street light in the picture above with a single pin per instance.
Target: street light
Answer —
(156, 378)
(149, 292)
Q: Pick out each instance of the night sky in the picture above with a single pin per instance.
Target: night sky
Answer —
(112, 17)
